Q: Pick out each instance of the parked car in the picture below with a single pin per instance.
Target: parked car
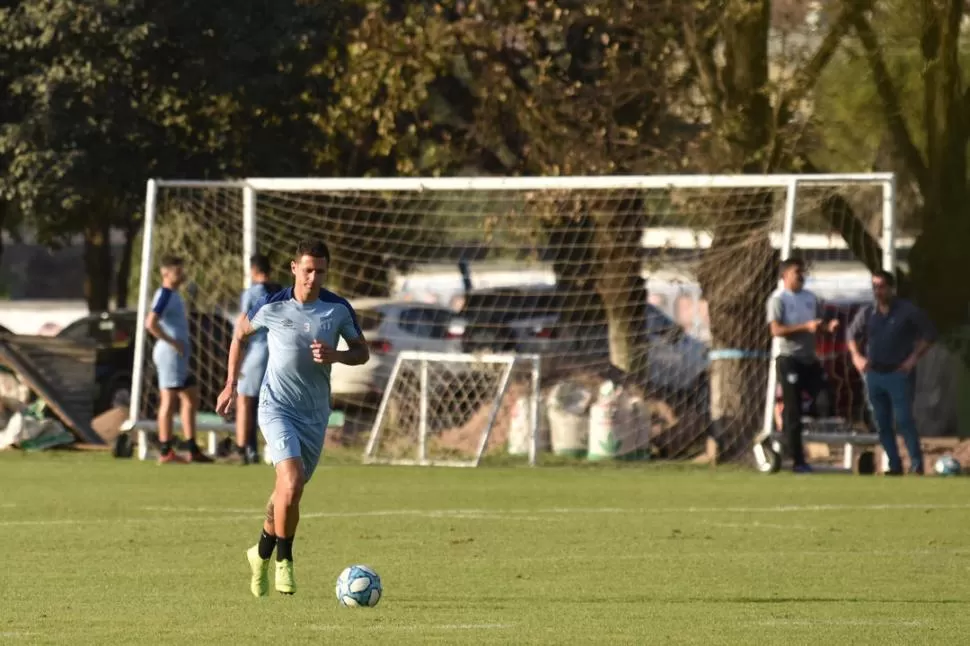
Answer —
(503, 320)
(113, 334)
(390, 326)
(848, 390)
(528, 321)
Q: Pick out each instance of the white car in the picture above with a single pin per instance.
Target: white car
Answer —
(390, 326)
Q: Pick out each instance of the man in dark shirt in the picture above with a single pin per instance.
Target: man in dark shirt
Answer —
(887, 340)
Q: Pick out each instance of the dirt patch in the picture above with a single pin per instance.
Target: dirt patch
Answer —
(465, 439)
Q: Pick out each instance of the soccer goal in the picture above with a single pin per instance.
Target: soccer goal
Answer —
(505, 314)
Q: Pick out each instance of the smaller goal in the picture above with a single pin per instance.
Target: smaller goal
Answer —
(451, 409)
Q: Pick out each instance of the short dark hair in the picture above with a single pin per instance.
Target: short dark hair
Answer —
(886, 277)
(790, 263)
(169, 261)
(259, 262)
(312, 248)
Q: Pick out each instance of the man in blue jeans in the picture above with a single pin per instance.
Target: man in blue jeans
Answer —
(887, 340)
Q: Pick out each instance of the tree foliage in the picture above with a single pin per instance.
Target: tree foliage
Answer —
(103, 94)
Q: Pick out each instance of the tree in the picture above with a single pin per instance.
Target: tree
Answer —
(752, 130)
(928, 139)
(110, 93)
(528, 88)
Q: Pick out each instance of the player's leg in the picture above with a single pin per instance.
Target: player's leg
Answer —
(189, 406)
(250, 382)
(819, 389)
(167, 399)
(169, 381)
(880, 403)
(290, 480)
(283, 446)
(791, 395)
(900, 387)
(259, 554)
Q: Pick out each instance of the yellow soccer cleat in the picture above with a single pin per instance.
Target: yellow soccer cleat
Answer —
(285, 583)
(259, 585)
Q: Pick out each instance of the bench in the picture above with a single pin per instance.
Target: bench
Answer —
(214, 426)
(209, 423)
(768, 450)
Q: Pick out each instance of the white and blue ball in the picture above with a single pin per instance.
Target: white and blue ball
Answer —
(947, 465)
(359, 586)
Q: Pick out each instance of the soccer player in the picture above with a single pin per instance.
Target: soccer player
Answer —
(168, 323)
(254, 364)
(794, 317)
(302, 325)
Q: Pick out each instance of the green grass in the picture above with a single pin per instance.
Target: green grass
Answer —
(101, 551)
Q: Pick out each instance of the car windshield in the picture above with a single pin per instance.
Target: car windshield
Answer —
(510, 304)
(369, 319)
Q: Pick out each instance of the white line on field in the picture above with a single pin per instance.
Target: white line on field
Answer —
(226, 514)
(757, 525)
(415, 627)
(491, 513)
(842, 622)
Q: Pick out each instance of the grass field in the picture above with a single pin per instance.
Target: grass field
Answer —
(101, 551)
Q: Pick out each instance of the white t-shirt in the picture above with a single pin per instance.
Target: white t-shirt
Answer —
(794, 308)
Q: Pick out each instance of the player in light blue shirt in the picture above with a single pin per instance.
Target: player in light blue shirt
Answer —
(254, 363)
(303, 324)
(169, 324)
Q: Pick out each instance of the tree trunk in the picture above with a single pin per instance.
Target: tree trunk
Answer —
(97, 265)
(619, 234)
(123, 277)
(941, 249)
(738, 273)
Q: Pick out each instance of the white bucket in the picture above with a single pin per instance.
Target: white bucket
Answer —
(568, 411)
(520, 430)
(618, 426)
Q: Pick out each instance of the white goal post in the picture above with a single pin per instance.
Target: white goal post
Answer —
(521, 233)
(449, 366)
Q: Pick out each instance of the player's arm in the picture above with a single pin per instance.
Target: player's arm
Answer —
(248, 324)
(151, 320)
(357, 352)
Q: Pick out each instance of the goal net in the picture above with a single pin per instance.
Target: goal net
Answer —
(626, 314)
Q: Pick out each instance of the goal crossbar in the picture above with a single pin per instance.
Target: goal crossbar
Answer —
(593, 182)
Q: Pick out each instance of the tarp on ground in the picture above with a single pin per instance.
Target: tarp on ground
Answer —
(60, 372)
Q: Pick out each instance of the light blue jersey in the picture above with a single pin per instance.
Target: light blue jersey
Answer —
(257, 350)
(294, 401)
(170, 309)
(172, 370)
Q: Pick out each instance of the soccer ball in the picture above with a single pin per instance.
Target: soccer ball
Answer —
(947, 465)
(358, 585)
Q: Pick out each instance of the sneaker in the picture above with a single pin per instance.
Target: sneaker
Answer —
(251, 456)
(171, 457)
(285, 583)
(802, 468)
(259, 584)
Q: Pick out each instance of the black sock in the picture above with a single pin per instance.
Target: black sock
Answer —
(166, 446)
(240, 450)
(266, 544)
(284, 549)
(193, 447)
